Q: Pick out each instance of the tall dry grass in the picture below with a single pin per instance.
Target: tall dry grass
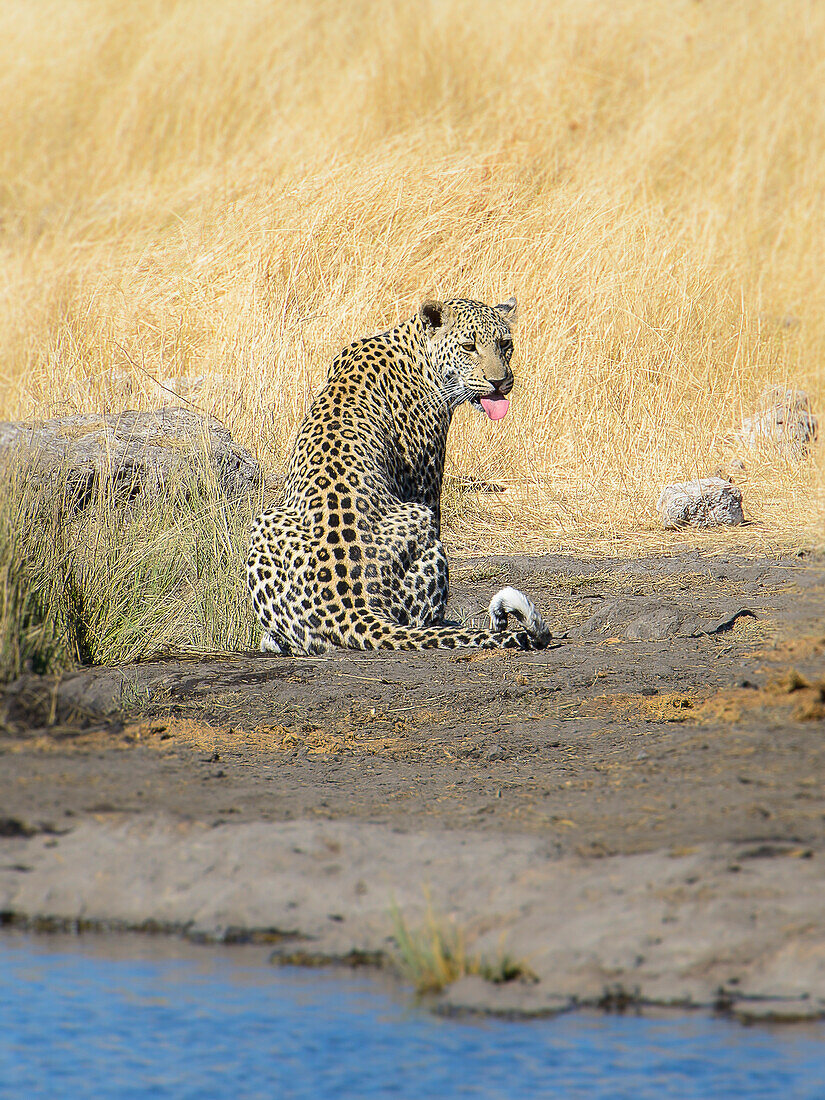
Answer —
(232, 191)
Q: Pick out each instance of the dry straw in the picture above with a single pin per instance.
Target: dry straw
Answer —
(215, 197)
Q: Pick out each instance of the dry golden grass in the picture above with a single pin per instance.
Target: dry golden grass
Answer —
(233, 191)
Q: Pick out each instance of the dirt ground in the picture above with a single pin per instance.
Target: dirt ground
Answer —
(637, 811)
(681, 703)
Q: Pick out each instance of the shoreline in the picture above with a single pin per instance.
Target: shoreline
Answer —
(160, 945)
(721, 928)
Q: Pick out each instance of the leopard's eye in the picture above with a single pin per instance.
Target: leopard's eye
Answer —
(470, 345)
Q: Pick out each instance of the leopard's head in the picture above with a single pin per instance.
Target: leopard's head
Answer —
(471, 345)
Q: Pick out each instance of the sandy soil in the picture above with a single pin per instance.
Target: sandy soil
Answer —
(679, 719)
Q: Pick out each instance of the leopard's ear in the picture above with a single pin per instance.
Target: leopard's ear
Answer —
(509, 310)
(437, 316)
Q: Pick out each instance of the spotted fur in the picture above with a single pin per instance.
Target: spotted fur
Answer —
(351, 556)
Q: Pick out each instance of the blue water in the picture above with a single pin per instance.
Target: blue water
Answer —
(78, 1025)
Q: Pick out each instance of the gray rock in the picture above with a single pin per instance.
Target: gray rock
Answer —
(473, 996)
(605, 618)
(130, 453)
(785, 1010)
(661, 623)
(649, 620)
(782, 422)
(708, 502)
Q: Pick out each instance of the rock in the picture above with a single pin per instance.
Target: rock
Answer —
(494, 754)
(708, 502)
(650, 620)
(784, 1010)
(782, 422)
(606, 618)
(654, 624)
(130, 453)
(473, 996)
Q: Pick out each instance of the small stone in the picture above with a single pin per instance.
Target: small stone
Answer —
(494, 753)
(708, 502)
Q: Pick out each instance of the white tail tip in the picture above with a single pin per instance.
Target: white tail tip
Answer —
(509, 601)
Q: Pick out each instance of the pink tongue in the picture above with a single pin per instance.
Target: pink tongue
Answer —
(495, 407)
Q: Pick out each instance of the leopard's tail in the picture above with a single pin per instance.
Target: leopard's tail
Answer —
(371, 632)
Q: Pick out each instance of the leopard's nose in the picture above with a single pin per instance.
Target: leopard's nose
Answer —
(502, 386)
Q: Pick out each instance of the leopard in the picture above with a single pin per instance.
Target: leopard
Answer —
(351, 555)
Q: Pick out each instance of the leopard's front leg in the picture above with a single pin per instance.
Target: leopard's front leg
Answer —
(412, 582)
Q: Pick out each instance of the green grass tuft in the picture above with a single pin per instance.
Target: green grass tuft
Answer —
(110, 583)
(437, 953)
